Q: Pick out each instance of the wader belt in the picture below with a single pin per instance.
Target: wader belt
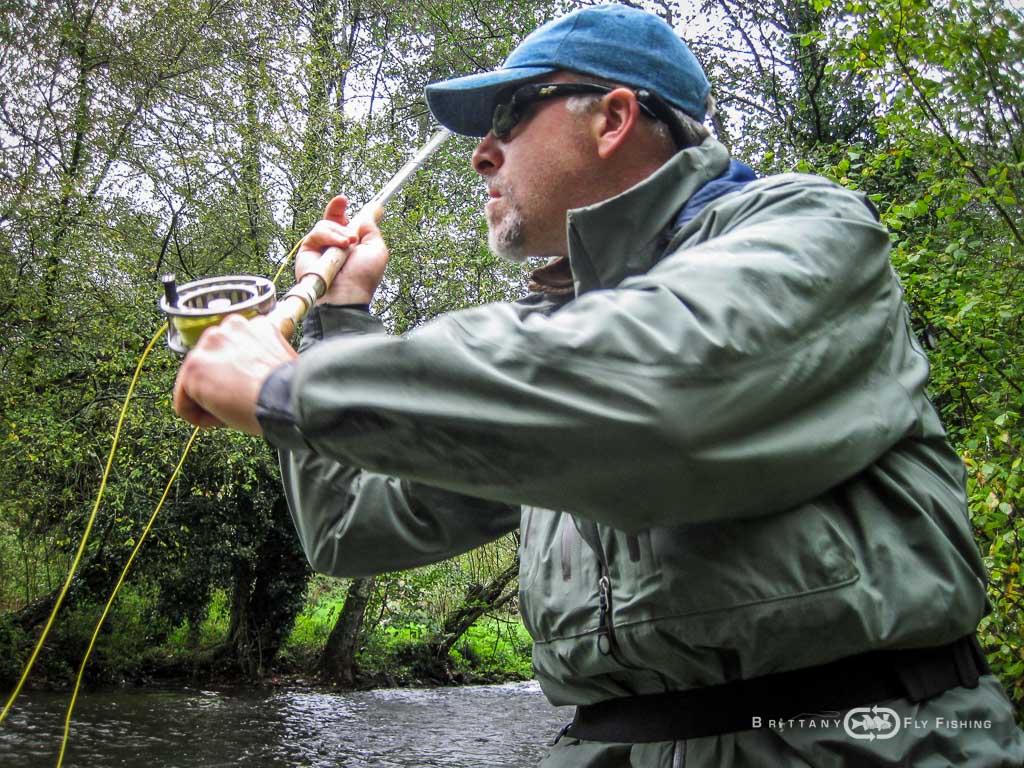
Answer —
(868, 678)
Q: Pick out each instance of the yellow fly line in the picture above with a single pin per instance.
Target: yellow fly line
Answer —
(88, 529)
(117, 587)
(377, 202)
(113, 595)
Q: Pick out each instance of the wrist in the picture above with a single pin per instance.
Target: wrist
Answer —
(345, 295)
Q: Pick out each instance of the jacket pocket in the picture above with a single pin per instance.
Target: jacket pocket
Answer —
(724, 566)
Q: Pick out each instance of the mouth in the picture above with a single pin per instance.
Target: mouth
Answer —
(493, 196)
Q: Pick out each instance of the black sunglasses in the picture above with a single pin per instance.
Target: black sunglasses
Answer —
(511, 107)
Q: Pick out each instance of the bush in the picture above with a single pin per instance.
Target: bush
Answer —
(13, 651)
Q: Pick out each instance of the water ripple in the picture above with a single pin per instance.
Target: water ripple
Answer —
(502, 725)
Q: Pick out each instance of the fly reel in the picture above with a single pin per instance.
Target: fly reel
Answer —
(194, 307)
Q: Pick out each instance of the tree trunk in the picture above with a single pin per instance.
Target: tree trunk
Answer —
(240, 648)
(252, 150)
(313, 175)
(268, 594)
(338, 663)
(479, 599)
(279, 590)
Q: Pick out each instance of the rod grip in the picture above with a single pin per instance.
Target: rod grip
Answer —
(325, 269)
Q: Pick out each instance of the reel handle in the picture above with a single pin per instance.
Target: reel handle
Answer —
(294, 305)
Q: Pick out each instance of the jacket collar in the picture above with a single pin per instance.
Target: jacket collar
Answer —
(626, 234)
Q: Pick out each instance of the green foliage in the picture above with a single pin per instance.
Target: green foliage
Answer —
(124, 650)
(216, 619)
(13, 642)
(494, 648)
(198, 138)
(324, 600)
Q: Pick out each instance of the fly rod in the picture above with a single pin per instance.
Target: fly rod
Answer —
(195, 306)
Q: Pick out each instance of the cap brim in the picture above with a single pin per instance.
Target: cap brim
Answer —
(465, 104)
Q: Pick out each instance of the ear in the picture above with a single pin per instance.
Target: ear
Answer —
(618, 118)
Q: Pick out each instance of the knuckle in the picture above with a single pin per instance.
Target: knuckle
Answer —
(232, 322)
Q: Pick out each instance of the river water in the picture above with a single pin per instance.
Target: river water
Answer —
(500, 725)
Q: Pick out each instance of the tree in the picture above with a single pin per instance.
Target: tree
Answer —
(338, 662)
(82, 80)
(129, 110)
(773, 75)
(479, 599)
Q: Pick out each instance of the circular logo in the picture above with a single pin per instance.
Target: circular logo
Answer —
(870, 723)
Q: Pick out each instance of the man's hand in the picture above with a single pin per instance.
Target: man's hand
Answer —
(362, 272)
(220, 380)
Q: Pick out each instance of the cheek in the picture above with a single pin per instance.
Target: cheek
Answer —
(545, 178)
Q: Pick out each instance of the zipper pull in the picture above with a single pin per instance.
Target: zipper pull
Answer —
(604, 594)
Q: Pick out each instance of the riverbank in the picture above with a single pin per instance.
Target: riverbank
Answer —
(133, 652)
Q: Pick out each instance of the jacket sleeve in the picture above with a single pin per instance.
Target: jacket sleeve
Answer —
(751, 369)
(353, 522)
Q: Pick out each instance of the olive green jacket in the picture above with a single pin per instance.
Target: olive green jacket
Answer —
(727, 421)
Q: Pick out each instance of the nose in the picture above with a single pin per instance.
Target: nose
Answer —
(488, 157)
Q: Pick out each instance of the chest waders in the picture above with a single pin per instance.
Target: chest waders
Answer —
(865, 679)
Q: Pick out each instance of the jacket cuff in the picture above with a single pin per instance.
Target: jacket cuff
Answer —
(324, 321)
(274, 410)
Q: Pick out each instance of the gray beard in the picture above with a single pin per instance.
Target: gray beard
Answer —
(506, 239)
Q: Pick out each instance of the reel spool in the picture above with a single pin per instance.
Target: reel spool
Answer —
(194, 307)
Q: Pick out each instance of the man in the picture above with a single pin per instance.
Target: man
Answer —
(744, 535)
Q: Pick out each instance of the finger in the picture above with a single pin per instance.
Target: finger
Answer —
(371, 241)
(262, 326)
(336, 210)
(236, 331)
(205, 420)
(327, 232)
(368, 230)
(229, 329)
(324, 235)
(310, 261)
(188, 409)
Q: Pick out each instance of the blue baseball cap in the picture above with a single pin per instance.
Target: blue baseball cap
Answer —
(613, 42)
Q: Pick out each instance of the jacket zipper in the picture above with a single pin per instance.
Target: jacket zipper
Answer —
(606, 644)
(605, 632)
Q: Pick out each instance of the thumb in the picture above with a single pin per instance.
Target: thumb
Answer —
(336, 210)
